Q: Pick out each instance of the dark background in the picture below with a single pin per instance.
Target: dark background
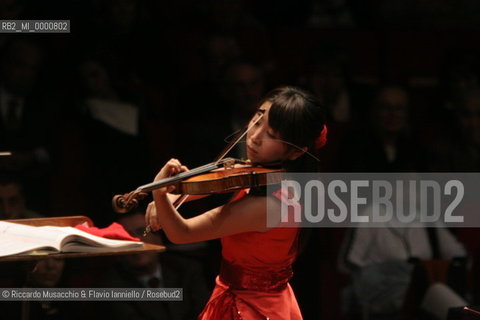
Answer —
(169, 59)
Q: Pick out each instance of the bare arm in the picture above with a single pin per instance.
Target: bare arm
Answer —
(246, 214)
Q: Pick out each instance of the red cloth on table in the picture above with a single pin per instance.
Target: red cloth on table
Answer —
(113, 231)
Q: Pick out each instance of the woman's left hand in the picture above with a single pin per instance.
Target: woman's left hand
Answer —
(171, 168)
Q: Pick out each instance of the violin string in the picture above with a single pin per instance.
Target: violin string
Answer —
(181, 175)
(194, 171)
(184, 197)
(206, 167)
(201, 169)
(178, 203)
(209, 166)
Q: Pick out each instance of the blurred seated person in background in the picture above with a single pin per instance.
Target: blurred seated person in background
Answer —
(328, 78)
(154, 270)
(26, 123)
(387, 143)
(109, 115)
(12, 206)
(402, 269)
(21, 115)
(12, 199)
(232, 103)
(243, 86)
(44, 273)
(459, 148)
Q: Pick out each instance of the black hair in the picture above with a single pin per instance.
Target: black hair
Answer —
(299, 117)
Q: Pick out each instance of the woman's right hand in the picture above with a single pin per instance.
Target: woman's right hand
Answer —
(151, 218)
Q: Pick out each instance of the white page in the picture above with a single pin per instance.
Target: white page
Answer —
(17, 238)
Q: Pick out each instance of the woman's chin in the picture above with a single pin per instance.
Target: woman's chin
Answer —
(251, 156)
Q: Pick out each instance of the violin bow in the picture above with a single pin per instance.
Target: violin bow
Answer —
(237, 139)
(180, 200)
(223, 154)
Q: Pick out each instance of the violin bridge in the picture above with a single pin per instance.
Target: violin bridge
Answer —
(229, 163)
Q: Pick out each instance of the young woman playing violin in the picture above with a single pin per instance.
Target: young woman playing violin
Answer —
(256, 260)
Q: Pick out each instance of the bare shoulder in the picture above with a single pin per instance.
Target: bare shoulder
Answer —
(248, 214)
(255, 211)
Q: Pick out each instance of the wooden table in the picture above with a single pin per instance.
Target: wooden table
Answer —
(70, 221)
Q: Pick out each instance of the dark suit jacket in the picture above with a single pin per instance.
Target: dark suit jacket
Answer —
(177, 272)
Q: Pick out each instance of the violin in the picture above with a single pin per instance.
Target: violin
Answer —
(223, 175)
(226, 175)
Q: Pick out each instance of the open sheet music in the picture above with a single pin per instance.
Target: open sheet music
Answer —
(19, 239)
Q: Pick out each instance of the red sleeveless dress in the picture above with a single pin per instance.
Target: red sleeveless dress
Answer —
(253, 280)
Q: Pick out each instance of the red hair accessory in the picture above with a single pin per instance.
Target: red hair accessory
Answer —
(322, 138)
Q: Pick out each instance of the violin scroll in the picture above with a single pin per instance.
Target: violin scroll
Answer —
(123, 203)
